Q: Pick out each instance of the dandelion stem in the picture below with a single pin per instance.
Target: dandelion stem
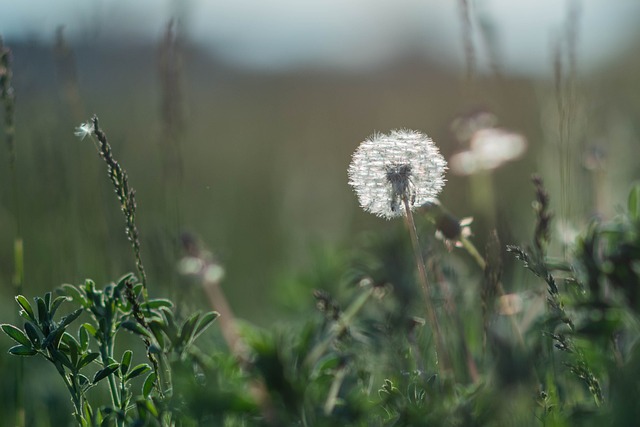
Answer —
(422, 276)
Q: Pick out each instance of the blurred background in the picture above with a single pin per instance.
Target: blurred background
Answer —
(236, 121)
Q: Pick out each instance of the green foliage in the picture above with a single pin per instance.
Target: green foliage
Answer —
(74, 356)
(365, 359)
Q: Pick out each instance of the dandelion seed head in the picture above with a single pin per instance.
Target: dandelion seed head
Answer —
(84, 130)
(386, 169)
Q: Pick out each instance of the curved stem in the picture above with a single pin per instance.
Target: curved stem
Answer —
(471, 249)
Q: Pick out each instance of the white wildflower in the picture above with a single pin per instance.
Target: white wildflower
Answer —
(387, 169)
(490, 148)
(84, 130)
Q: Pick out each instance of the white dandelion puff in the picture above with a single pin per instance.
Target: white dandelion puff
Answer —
(387, 169)
(84, 130)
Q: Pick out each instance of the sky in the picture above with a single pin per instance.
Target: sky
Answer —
(346, 34)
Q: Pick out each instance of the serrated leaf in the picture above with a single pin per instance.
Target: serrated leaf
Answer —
(16, 334)
(126, 362)
(138, 370)
(22, 350)
(148, 385)
(87, 358)
(206, 321)
(135, 327)
(105, 372)
(24, 303)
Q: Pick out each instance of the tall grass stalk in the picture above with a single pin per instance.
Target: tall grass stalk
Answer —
(565, 76)
(7, 96)
(126, 196)
(170, 142)
(467, 38)
(67, 73)
(211, 274)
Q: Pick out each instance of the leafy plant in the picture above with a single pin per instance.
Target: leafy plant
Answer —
(86, 358)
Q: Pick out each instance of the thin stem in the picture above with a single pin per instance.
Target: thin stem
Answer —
(106, 351)
(126, 196)
(332, 397)
(471, 249)
(75, 397)
(422, 276)
(475, 254)
(227, 320)
(77, 394)
(450, 307)
(237, 345)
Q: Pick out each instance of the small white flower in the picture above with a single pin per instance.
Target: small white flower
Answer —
(84, 130)
(490, 148)
(387, 169)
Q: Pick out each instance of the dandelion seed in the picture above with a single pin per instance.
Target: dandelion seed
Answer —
(388, 169)
(84, 130)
